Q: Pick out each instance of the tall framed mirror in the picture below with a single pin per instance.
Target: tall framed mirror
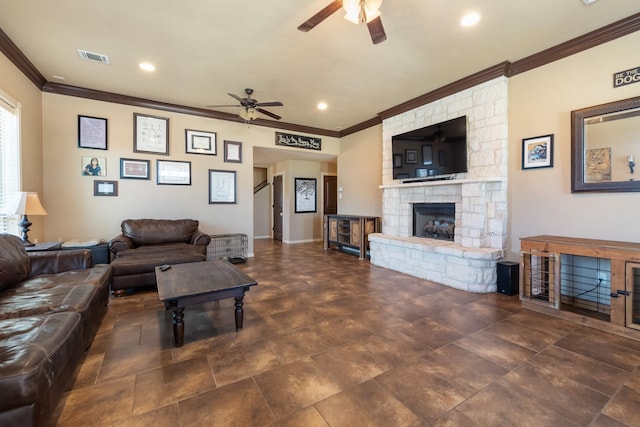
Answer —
(605, 146)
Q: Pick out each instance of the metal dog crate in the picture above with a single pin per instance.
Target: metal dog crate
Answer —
(227, 246)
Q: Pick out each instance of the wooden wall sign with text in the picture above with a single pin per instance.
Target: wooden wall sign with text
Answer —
(298, 141)
(626, 77)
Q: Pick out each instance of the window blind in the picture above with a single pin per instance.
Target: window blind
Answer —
(9, 160)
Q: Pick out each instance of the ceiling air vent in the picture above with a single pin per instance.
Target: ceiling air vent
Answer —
(91, 56)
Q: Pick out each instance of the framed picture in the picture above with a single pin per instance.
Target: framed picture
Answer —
(427, 155)
(421, 172)
(397, 161)
(150, 134)
(93, 166)
(134, 169)
(305, 189)
(171, 172)
(233, 152)
(222, 186)
(92, 132)
(105, 188)
(537, 152)
(201, 142)
(410, 156)
(442, 157)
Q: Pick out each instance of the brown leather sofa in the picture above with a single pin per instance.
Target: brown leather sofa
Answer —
(147, 243)
(51, 305)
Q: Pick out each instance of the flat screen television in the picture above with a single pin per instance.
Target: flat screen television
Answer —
(433, 152)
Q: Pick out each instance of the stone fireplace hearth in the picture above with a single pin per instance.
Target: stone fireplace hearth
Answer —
(479, 196)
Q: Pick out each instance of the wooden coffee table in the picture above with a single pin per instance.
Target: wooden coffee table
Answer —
(199, 282)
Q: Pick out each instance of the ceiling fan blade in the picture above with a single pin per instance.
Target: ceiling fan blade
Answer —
(218, 106)
(270, 104)
(376, 30)
(268, 113)
(320, 16)
(236, 97)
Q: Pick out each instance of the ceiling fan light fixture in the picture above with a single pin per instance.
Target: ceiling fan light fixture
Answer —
(361, 11)
(248, 114)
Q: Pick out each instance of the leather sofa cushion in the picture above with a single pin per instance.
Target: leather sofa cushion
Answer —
(146, 262)
(15, 264)
(157, 231)
(34, 351)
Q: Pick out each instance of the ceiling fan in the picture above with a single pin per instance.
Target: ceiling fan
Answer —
(251, 107)
(357, 11)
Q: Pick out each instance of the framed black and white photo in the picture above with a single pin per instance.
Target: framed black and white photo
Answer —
(305, 192)
(171, 172)
(134, 169)
(92, 132)
(150, 134)
(105, 188)
(233, 152)
(222, 186)
(201, 142)
(537, 152)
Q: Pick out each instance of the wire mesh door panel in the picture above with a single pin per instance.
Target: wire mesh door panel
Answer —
(540, 278)
(585, 285)
(633, 295)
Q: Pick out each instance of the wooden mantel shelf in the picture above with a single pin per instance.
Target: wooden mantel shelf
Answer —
(445, 182)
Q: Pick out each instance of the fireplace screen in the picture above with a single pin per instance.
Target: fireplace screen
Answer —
(434, 220)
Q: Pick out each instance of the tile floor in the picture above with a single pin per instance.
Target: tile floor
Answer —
(330, 340)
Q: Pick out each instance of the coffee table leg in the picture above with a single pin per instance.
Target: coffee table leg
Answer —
(239, 312)
(178, 326)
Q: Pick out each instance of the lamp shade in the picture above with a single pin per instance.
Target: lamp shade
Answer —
(361, 11)
(24, 203)
(248, 114)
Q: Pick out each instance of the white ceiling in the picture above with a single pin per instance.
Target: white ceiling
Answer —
(204, 49)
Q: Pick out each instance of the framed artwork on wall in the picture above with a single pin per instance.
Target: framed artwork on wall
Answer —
(427, 155)
(305, 192)
(171, 172)
(135, 169)
(537, 152)
(410, 156)
(222, 186)
(105, 188)
(397, 161)
(200, 142)
(150, 134)
(92, 132)
(233, 152)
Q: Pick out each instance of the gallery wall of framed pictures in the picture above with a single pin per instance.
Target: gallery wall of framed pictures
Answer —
(151, 137)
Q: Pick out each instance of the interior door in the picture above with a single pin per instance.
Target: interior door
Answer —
(330, 195)
(277, 207)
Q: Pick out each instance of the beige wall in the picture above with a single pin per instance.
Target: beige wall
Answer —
(540, 103)
(360, 173)
(74, 213)
(20, 89)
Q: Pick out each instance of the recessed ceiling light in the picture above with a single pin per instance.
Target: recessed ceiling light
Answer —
(147, 66)
(470, 19)
(322, 106)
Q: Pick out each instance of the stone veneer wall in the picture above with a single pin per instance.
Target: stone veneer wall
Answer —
(480, 195)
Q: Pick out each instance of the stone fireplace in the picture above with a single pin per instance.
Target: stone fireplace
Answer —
(479, 196)
(434, 220)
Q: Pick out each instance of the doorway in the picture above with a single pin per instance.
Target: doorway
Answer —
(277, 207)
(330, 186)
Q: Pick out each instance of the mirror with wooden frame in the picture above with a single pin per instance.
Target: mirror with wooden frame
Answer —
(605, 146)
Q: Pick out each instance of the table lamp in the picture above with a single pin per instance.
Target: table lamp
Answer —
(24, 203)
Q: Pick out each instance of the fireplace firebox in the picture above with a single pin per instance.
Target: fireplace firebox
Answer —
(434, 220)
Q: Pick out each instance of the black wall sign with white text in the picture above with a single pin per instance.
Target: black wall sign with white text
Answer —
(626, 77)
(298, 141)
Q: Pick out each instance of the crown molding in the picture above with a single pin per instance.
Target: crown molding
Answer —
(15, 55)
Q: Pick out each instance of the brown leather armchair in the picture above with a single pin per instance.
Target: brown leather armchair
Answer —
(147, 243)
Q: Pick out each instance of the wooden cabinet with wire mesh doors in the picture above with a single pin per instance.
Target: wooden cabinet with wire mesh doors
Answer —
(594, 279)
(350, 233)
